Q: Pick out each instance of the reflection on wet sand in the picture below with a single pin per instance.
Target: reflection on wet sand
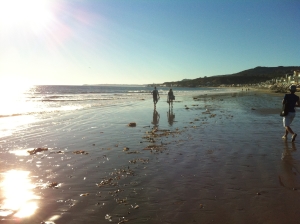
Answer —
(156, 117)
(286, 155)
(171, 116)
(9, 124)
(289, 164)
(17, 197)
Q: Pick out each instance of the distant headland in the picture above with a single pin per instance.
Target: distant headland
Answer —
(250, 77)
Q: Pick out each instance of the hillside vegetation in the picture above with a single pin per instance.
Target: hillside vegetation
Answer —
(250, 76)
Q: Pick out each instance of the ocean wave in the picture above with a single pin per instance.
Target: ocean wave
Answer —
(139, 91)
(84, 100)
(10, 115)
(44, 110)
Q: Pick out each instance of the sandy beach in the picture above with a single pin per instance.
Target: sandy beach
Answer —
(209, 159)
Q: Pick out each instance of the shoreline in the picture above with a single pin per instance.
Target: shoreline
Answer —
(220, 159)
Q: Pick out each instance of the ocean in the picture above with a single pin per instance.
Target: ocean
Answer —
(54, 98)
(20, 108)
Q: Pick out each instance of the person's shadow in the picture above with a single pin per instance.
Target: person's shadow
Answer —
(287, 151)
(289, 167)
(156, 117)
(171, 116)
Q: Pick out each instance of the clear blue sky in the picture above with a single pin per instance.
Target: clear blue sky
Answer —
(141, 42)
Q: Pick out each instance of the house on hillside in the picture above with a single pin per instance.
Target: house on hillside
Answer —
(289, 78)
(292, 78)
(296, 76)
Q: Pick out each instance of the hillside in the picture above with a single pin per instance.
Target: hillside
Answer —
(250, 76)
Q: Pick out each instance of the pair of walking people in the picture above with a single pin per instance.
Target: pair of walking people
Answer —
(292, 101)
(156, 97)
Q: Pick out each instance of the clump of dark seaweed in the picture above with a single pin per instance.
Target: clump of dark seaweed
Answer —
(35, 151)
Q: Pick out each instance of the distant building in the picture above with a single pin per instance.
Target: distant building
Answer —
(289, 77)
(296, 76)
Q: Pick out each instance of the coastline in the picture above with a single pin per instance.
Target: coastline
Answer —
(220, 159)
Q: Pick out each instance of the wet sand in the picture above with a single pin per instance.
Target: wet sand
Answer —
(220, 159)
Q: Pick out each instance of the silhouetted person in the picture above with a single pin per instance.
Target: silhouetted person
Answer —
(292, 100)
(155, 96)
(171, 97)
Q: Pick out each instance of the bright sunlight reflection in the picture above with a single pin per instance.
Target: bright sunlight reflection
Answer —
(13, 86)
(21, 13)
(12, 96)
(17, 197)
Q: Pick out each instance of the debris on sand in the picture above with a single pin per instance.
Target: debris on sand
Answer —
(139, 160)
(132, 124)
(133, 152)
(35, 151)
(105, 182)
(206, 111)
(155, 147)
(108, 217)
(53, 185)
(123, 220)
(83, 195)
(80, 152)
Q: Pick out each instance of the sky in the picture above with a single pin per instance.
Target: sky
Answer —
(75, 42)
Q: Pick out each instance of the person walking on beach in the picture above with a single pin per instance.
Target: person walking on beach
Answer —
(292, 100)
(170, 97)
(155, 95)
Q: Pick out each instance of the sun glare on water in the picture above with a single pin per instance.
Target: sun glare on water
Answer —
(13, 103)
(23, 13)
(12, 95)
(17, 197)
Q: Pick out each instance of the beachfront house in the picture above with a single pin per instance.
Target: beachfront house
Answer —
(296, 76)
(289, 78)
(293, 78)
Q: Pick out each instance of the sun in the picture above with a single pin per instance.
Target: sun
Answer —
(24, 13)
